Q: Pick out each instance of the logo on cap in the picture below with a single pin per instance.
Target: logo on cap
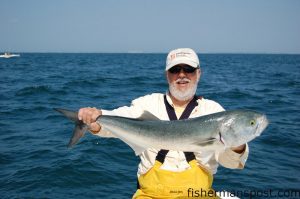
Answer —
(173, 56)
(182, 54)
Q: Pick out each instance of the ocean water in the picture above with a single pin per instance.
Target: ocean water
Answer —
(34, 159)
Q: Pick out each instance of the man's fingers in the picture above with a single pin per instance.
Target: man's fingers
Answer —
(84, 116)
(88, 115)
(80, 113)
(95, 127)
(96, 113)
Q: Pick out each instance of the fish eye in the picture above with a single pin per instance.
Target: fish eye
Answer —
(252, 122)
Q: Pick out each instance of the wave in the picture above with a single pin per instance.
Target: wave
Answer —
(40, 90)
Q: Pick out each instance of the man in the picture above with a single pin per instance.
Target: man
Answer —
(168, 174)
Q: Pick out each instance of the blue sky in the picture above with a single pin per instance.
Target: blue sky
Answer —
(210, 26)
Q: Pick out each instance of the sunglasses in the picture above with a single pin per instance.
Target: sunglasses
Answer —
(186, 69)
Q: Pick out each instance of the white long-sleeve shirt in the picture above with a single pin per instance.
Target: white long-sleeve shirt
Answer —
(175, 160)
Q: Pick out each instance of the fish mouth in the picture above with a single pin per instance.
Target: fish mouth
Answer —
(263, 123)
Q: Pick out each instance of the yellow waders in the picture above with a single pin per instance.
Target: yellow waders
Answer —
(191, 183)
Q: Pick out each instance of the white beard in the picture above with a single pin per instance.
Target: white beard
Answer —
(183, 95)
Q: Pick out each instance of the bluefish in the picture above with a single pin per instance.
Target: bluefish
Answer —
(219, 130)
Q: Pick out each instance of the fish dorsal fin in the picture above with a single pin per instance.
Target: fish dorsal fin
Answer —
(148, 116)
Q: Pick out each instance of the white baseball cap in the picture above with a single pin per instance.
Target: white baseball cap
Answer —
(182, 56)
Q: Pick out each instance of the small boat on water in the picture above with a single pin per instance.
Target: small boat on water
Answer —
(9, 55)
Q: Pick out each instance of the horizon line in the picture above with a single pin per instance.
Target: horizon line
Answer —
(150, 52)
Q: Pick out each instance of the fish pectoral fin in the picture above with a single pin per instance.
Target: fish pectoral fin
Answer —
(148, 116)
(205, 142)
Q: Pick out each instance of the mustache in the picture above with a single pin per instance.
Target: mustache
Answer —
(182, 79)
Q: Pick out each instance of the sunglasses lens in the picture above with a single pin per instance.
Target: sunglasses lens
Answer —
(175, 69)
(186, 69)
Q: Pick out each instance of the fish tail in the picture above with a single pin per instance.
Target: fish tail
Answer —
(80, 127)
(72, 115)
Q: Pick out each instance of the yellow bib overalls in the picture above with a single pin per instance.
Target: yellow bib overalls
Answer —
(158, 183)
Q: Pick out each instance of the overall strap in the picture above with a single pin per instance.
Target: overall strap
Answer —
(161, 155)
(187, 111)
(189, 156)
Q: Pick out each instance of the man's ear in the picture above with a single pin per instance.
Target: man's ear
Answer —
(166, 73)
(199, 73)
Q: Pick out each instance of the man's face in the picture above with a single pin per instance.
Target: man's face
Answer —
(183, 80)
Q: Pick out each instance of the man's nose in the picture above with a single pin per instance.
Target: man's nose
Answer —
(181, 73)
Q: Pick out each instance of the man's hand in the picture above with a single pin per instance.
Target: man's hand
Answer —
(239, 149)
(88, 116)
